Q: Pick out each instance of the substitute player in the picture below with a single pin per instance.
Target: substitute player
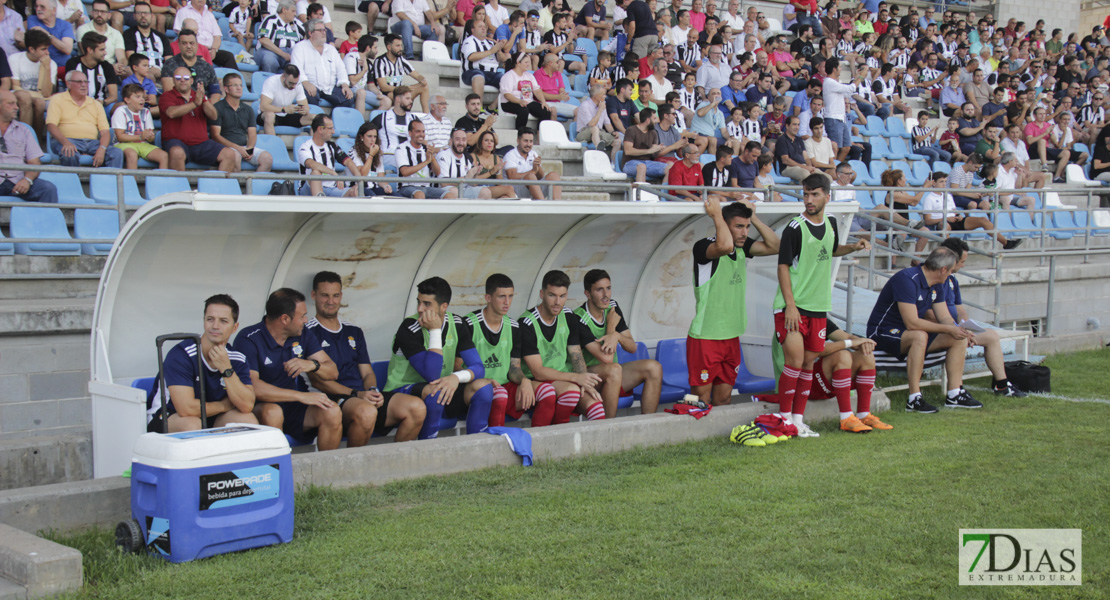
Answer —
(228, 394)
(497, 339)
(366, 410)
(279, 350)
(846, 363)
(809, 243)
(601, 327)
(551, 352)
(720, 285)
(424, 351)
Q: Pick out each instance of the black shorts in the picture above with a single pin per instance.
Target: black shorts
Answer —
(205, 153)
(890, 341)
(456, 409)
(957, 225)
(287, 120)
(293, 425)
(380, 430)
(156, 423)
(365, 4)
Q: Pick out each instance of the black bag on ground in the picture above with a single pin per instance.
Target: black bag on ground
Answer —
(1029, 377)
(283, 188)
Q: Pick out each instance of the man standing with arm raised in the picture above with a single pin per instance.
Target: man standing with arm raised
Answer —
(720, 289)
(808, 245)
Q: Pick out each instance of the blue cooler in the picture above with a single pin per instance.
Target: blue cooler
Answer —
(201, 493)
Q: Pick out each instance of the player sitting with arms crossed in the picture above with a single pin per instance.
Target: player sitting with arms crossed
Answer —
(279, 350)
(424, 351)
(601, 327)
(366, 411)
(497, 339)
(228, 395)
(550, 348)
(809, 244)
(720, 284)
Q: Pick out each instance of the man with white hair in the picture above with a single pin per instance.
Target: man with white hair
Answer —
(60, 31)
(78, 125)
(277, 35)
(437, 127)
(1010, 178)
(323, 74)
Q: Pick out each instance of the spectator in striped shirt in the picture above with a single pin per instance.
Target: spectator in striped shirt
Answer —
(481, 57)
(390, 70)
(600, 74)
(318, 155)
(276, 37)
(925, 140)
(1093, 116)
(417, 159)
(456, 163)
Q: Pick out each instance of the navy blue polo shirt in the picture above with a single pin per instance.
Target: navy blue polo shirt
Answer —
(268, 358)
(346, 348)
(952, 296)
(180, 368)
(910, 286)
(744, 173)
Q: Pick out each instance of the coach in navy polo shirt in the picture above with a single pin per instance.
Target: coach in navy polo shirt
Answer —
(228, 395)
(279, 351)
(898, 326)
(366, 410)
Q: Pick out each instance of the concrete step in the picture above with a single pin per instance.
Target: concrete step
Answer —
(42, 567)
(11, 591)
(46, 315)
(54, 277)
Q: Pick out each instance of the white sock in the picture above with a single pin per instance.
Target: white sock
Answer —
(916, 396)
(784, 416)
(845, 415)
(797, 418)
(862, 414)
(954, 393)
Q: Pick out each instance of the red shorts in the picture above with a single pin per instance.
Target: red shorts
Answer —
(712, 361)
(510, 407)
(811, 328)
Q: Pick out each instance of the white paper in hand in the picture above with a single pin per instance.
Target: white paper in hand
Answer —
(972, 326)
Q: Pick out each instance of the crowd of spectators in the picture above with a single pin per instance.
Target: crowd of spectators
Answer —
(135, 84)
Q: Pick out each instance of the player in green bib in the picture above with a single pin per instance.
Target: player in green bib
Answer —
(601, 328)
(720, 287)
(497, 339)
(551, 353)
(809, 243)
(424, 351)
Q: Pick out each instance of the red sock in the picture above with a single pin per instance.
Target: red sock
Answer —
(595, 412)
(788, 383)
(545, 405)
(865, 384)
(497, 409)
(564, 407)
(801, 393)
(842, 387)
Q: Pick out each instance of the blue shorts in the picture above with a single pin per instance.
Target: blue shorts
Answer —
(889, 340)
(408, 191)
(655, 169)
(492, 78)
(293, 425)
(205, 153)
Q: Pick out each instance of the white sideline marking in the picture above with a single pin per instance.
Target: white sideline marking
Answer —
(1055, 397)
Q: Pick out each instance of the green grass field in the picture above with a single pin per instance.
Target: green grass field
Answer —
(842, 516)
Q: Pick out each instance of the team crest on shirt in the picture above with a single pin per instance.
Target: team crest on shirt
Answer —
(351, 341)
(894, 331)
(821, 334)
(933, 296)
(223, 383)
(705, 375)
(297, 349)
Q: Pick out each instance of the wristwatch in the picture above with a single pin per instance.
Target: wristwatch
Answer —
(228, 372)
(315, 362)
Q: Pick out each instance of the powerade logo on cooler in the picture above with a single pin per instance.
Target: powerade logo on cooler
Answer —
(158, 535)
(241, 486)
(1021, 557)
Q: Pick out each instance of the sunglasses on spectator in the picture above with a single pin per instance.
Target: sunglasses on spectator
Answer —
(182, 77)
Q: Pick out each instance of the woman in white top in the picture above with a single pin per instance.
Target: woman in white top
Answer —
(518, 88)
(367, 158)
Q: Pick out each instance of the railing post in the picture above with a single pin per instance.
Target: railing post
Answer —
(997, 289)
(1051, 294)
(851, 287)
(121, 203)
(1087, 230)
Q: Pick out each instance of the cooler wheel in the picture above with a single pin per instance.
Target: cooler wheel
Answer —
(129, 536)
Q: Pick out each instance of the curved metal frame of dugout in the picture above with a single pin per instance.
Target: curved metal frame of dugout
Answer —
(180, 249)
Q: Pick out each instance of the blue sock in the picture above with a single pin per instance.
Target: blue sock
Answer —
(430, 429)
(477, 416)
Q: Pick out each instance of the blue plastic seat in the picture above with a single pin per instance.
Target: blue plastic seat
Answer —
(866, 201)
(159, 185)
(345, 144)
(898, 146)
(921, 170)
(276, 147)
(223, 187)
(381, 368)
(258, 79)
(347, 121)
(746, 383)
(6, 249)
(624, 357)
(69, 188)
(942, 167)
(260, 186)
(877, 168)
(1026, 220)
(41, 222)
(906, 169)
(104, 190)
(89, 224)
(897, 127)
(671, 354)
(874, 128)
(582, 85)
(863, 175)
(880, 149)
(248, 95)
